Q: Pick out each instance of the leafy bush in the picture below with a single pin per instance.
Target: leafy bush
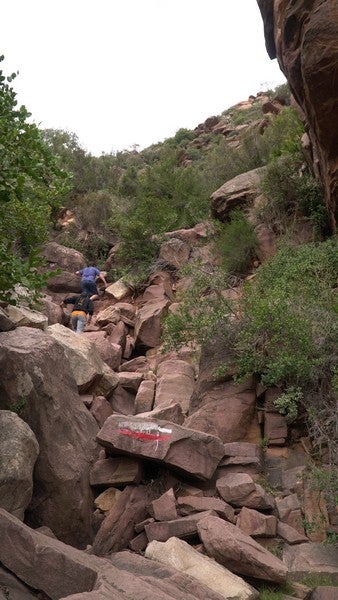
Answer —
(202, 310)
(237, 243)
(166, 197)
(283, 135)
(282, 93)
(287, 333)
(287, 326)
(290, 191)
(239, 116)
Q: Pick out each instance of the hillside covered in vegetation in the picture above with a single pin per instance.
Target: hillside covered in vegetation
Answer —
(120, 205)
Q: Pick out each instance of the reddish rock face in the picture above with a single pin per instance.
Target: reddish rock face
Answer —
(304, 38)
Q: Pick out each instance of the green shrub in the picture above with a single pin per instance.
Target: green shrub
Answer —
(202, 308)
(290, 190)
(287, 326)
(282, 93)
(287, 333)
(239, 116)
(237, 243)
(93, 211)
(283, 135)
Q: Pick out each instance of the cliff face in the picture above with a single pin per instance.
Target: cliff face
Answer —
(303, 36)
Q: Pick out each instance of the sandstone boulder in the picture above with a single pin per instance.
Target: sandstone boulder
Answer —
(65, 283)
(191, 452)
(35, 368)
(110, 353)
(144, 399)
(84, 360)
(19, 450)
(236, 193)
(242, 453)
(148, 327)
(117, 530)
(311, 558)
(122, 401)
(62, 257)
(100, 409)
(164, 507)
(120, 471)
(172, 412)
(179, 555)
(185, 527)
(105, 501)
(108, 315)
(175, 382)
(25, 317)
(188, 505)
(118, 290)
(52, 311)
(239, 489)
(238, 552)
(256, 524)
(6, 324)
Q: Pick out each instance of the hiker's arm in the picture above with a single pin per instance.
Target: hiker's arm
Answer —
(102, 277)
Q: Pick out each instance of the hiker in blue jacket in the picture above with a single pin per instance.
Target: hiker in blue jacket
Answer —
(88, 280)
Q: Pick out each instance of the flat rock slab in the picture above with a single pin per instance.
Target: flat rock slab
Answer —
(185, 527)
(191, 452)
(118, 471)
(311, 559)
(178, 554)
(238, 552)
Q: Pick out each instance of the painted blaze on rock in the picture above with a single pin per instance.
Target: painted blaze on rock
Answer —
(191, 452)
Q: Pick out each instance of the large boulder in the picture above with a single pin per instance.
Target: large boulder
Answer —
(238, 552)
(219, 406)
(224, 410)
(65, 283)
(239, 489)
(179, 555)
(84, 360)
(26, 317)
(191, 452)
(35, 372)
(236, 193)
(110, 353)
(52, 311)
(311, 559)
(19, 450)
(6, 324)
(62, 257)
(175, 382)
(148, 328)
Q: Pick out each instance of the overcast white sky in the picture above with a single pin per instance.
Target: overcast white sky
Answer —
(124, 72)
